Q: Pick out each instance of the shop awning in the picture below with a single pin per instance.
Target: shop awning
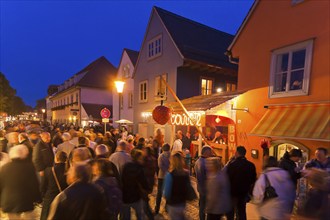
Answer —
(204, 102)
(298, 121)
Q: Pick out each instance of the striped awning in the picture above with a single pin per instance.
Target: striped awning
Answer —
(299, 121)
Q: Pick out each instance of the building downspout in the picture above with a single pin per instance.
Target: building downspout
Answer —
(231, 59)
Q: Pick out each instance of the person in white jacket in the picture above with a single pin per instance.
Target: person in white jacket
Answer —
(281, 206)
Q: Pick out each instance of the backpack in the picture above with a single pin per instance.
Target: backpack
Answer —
(112, 193)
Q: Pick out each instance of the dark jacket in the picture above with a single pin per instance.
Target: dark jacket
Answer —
(29, 145)
(134, 182)
(49, 187)
(179, 190)
(289, 165)
(42, 156)
(19, 186)
(80, 201)
(242, 176)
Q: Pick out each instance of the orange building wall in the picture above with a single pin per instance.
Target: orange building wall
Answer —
(276, 24)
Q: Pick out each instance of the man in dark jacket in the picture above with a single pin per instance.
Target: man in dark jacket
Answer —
(242, 175)
(288, 163)
(24, 139)
(19, 187)
(43, 155)
(134, 184)
(81, 200)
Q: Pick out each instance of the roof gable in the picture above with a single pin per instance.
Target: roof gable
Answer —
(196, 41)
(133, 55)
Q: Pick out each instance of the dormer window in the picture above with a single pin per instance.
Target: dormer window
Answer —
(126, 71)
(155, 47)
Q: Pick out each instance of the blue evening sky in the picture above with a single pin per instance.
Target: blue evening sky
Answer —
(46, 42)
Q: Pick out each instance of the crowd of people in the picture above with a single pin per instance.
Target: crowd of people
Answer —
(75, 173)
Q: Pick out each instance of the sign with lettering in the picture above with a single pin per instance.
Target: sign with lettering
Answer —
(182, 119)
(231, 139)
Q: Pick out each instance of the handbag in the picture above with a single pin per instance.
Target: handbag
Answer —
(56, 180)
(270, 191)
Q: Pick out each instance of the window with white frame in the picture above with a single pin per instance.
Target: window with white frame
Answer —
(130, 100)
(206, 86)
(290, 70)
(160, 87)
(155, 47)
(143, 91)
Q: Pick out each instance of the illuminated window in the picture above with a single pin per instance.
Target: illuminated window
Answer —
(230, 87)
(155, 47)
(160, 88)
(126, 71)
(143, 91)
(206, 86)
(290, 70)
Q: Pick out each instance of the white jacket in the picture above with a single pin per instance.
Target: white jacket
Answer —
(280, 207)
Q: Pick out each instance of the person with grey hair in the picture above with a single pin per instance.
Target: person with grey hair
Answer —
(120, 157)
(43, 155)
(201, 176)
(19, 185)
(24, 139)
(66, 146)
(81, 200)
(242, 175)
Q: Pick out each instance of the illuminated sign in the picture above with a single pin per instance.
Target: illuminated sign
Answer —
(182, 119)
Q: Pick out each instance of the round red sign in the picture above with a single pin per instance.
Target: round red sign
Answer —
(105, 113)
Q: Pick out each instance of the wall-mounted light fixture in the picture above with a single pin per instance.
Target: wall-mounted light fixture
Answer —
(239, 109)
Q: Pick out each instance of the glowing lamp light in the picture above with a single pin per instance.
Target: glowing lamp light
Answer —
(119, 86)
(219, 90)
(43, 110)
(217, 120)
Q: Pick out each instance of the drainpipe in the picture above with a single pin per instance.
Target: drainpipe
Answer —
(231, 59)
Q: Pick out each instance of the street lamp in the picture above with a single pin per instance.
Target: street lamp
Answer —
(43, 114)
(120, 87)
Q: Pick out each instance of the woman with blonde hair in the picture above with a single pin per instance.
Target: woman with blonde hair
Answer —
(177, 189)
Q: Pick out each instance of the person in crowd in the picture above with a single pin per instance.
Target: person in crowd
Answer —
(43, 155)
(201, 176)
(130, 146)
(66, 146)
(57, 140)
(120, 158)
(186, 141)
(104, 178)
(53, 183)
(157, 142)
(321, 160)
(317, 205)
(102, 151)
(74, 138)
(149, 167)
(141, 144)
(84, 142)
(136, 139)
(90, 143)
(99, 138)
(19, 186)
(34, 137)
(177, 145)
(24, 139)
(288, 163)
(218, 190)
(218, 138)
(12, 138)
(164, 165)
(4, 158)
(177, 188)
(109, 141)
(281, 206)
(135, 184)
(81, 200)
(3, 141)
(242, 176)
